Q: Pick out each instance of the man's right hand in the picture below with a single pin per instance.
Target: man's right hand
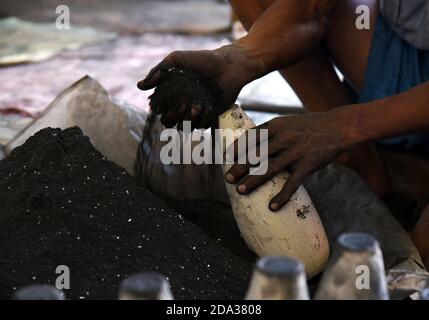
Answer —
(229, 67)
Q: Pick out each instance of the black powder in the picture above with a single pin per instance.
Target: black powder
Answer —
(302, 212)
(63, 203)
(180, 86)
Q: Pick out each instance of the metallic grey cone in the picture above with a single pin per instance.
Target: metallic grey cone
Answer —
(355, 271)
(145, 286)
(39, 292)
(278, 278)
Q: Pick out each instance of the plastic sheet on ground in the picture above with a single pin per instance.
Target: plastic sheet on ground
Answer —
(24, 41)
(131, 16)
(406, 283)
(114, 128)
(10, 124)
(118, 65)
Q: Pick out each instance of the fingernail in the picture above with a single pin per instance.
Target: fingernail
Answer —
(229, 177)
(140, 84)
(241, 188)
(274, 206)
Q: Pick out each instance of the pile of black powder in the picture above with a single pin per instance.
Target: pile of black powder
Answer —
(63, 203)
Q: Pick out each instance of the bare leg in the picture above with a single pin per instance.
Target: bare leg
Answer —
(349, 48)
(316, 83)
(420, 236)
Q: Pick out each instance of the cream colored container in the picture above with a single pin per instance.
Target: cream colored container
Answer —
(355, 271)
(295, 230)
(278, 278)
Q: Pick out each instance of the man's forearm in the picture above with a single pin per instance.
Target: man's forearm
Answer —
(286, 32)
(405, 113)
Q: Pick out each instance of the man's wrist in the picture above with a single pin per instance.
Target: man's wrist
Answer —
(241, 61)
(349, 122)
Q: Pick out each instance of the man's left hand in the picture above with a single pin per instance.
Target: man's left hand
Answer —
(300, 144)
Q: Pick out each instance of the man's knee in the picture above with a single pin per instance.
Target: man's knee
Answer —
(248, 11)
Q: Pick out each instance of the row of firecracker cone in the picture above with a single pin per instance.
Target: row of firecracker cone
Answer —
(354, 272)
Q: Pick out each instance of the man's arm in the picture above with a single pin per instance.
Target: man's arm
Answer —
(286, 32)
(304, 144)
(404, 113)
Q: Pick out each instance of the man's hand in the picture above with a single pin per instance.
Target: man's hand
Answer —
(229, 67)
(300, 144)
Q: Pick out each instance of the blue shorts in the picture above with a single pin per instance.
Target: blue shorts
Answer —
(395, 66)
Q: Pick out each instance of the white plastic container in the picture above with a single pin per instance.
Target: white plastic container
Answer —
(295, 230)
